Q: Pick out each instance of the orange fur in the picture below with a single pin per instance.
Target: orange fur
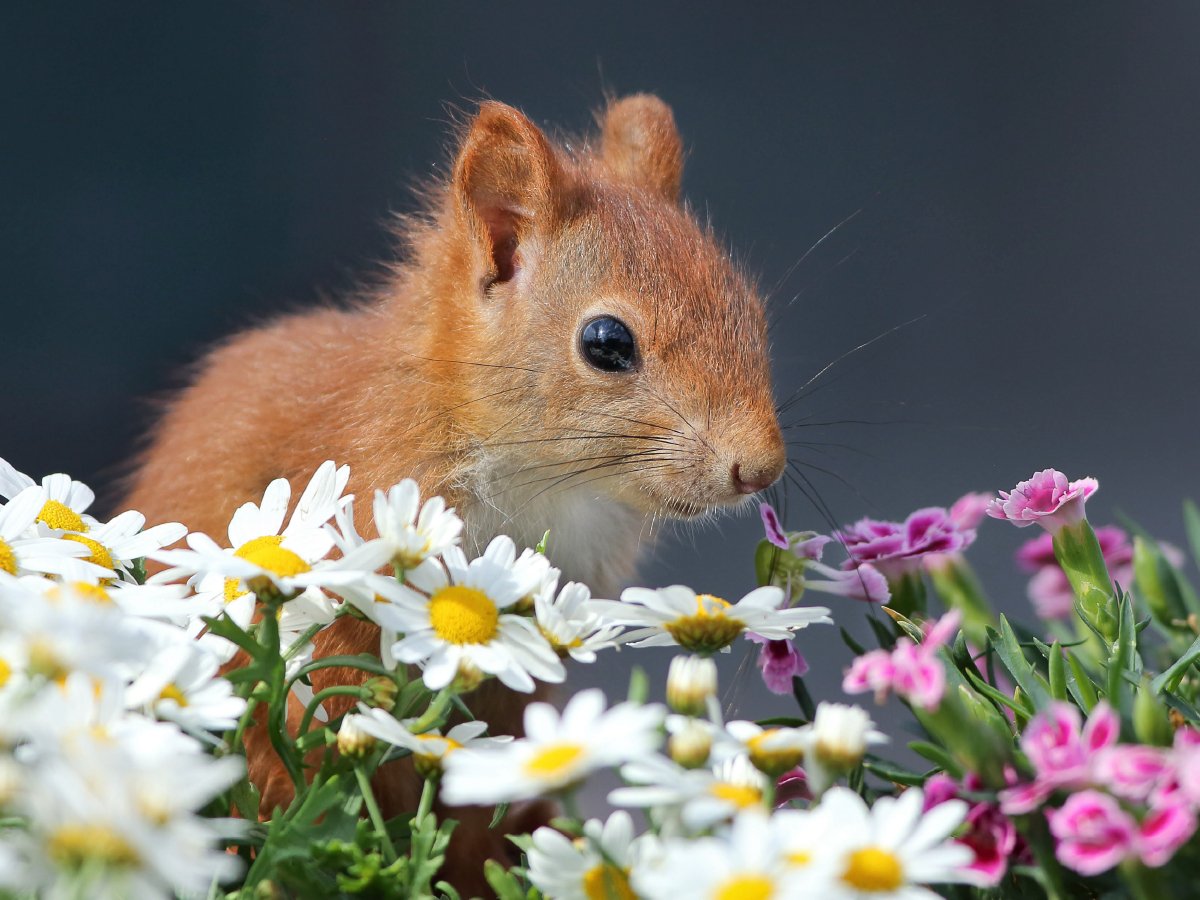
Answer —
(463, 371)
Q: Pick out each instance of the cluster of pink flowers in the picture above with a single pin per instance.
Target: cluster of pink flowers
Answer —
(1049, 590)
(1047, 499)
(897, 548)
(779, 662)
(990, 834)
(912, 670)
(1094, 831)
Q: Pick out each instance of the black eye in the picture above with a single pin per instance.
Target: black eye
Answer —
(607, 344)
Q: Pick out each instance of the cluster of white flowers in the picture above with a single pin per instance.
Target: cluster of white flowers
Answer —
(111, 703)
(107, 708)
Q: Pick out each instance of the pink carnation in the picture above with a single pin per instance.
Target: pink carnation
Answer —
(1132, 771)
(792, 785)
(967, 511)
(1094, 833)
(779, 662)
(897, 547)
(990, 834)
(913, 671)
(1163, 831)
(1047, 498)
(1062, 756)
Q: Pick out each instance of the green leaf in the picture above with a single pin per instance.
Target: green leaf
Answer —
(1123, 656)
(541, 546)
(502, 881)
(639, 685)
(894, 772)
(1058, 672)
(781, 722)
(501, 808)
(1191, 520)
(883, 634)
(938, 756)
(855, 647)
(800, 692)
(1170, 679)
(1085, 690)
(1014, 660)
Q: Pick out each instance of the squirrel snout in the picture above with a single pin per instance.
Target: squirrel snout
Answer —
(756, 475)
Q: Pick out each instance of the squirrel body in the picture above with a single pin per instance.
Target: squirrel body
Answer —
(564, 347)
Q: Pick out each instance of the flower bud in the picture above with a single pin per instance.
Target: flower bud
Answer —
(1157, 583)
(840, 734)
(1151, 723)
(777, 750)
(352, 741)
(468, 677)
(690, 746)
(383, 692)
(691, 680)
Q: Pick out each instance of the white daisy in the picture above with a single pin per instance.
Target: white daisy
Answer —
(745, 864)
(594, 867)
(704, 623)
(66, 500)
(556, 752)
(836, 742)
(22, 552)
(114, 823)
(414, 532)
(181, 684)
(888, 850)
(698, 798)
(459, 620)
(771, 750)
(263, 557)
(117, 544)
(430, 748)
(569, 621)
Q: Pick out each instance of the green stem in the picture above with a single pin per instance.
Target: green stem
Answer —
(364, 785)
(243, 724)
(338, 690)
(768, 794)
(434, 712)
(426, 803)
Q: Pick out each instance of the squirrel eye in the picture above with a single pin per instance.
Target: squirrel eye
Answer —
(607, 344)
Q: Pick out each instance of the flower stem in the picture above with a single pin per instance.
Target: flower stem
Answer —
(434, 712)
(364, 785)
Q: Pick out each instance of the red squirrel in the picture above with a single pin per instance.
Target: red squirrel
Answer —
(564, 346)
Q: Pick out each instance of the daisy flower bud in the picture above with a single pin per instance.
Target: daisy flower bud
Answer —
(691, 680)
(691, 745)
(352, 740)
(773, 751)
(838, 740)
(383, 692)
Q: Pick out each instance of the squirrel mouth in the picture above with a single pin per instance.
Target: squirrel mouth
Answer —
(683, 510)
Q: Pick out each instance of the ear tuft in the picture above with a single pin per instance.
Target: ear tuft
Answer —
(506, 174)
(641, 144)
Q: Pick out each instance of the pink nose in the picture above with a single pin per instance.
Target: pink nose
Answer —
(752, 483)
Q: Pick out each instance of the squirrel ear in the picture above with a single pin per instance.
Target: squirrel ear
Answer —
(506, 173)
(641, 144)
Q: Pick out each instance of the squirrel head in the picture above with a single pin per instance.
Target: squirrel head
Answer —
(582, 329)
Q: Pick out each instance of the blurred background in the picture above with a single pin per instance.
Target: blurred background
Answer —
(1018, 182)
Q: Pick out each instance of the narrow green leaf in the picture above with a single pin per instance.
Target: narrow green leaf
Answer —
(936, 755)
(1191, 520)
(1169, 680)
(883, 634)
(1011, 655)
(894, 772)
(781, 722)
(541, 547)
(639, 685)
(1086, 695)
(855, 647)
(501, 808)
(800, 692)
(1058, 673)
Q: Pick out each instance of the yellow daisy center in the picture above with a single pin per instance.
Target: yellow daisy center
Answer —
(75, 845)
(93, 592)
(798, 858)
(448, 744)
(62, 517)
(170, 692)
(745, 887)
(873, 869)
(5, 672)
(740, 795)
(709, 629)
(100, 555)
(463, 615)
(44, 661)
(8, 559)
(265, 551)
(554, 760)
(607, 882)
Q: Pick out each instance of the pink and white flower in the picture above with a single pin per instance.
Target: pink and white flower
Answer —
(1047, 499)
(779, 662)
(1163, 831)
(990, 834)
(913, 671)
(1094, 833)
(895, 548)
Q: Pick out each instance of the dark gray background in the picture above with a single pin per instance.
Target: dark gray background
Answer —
(1026, 174)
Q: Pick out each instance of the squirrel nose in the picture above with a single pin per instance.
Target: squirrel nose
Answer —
(752, 482)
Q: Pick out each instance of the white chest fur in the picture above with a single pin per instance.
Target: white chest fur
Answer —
(593, 539)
